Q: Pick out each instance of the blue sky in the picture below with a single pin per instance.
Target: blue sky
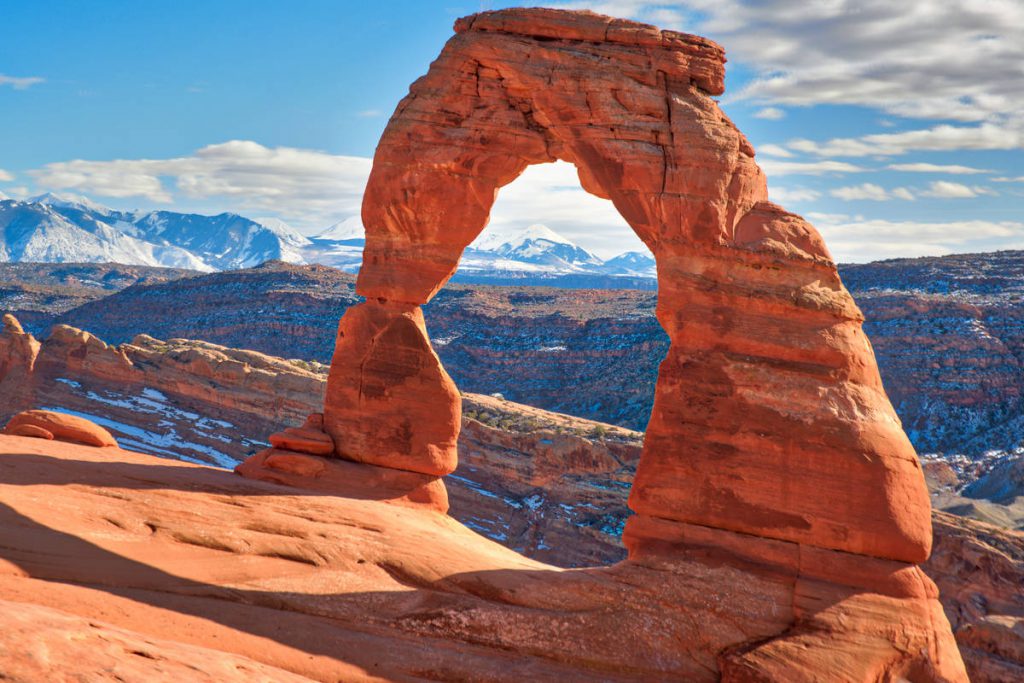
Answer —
(894, 127)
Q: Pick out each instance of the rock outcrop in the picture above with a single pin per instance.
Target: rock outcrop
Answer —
(769, 417)
(46, 424)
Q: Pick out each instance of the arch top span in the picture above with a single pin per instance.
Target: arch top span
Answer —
(628, 104)
(769, 419)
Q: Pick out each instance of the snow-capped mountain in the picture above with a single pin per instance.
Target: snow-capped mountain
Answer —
(348, 231)
(284, 231)
(70, 228)
(632, 263)
(535, 251)
(537, 245)
(70, 201)
(40, 232)
(67, 228)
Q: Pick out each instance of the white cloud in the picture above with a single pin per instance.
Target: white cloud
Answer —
(892, 56)
(1004, 179)
(947, 190)
(776, 168)
(858, 239)
(953, 169)
(20, 83)
(870, 192)
(308, 187)
(770, 113)
(987, 136)
(5, 176)
(774, 151)
(369, 113)
(785, 195)
(551, 194)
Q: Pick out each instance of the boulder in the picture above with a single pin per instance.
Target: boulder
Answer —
(61, 427)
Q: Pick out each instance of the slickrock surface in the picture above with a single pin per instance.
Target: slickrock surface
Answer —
(340, 589)
(43, 644)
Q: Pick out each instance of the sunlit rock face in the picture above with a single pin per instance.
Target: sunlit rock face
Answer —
(769, 416)
(771, 443)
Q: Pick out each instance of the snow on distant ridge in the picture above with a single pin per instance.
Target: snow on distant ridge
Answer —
(349, 229)
(284, 231)
(63, 228)
(492, 241)
(69, 201)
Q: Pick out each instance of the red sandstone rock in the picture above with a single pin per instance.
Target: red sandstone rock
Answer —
(334, 588)
(44, 644)
(389, 402)
(61, 427)
(18, 352)
(770, 417)
(303, 440)
(348, 479)
(29, 430)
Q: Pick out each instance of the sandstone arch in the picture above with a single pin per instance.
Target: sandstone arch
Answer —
(770, 418)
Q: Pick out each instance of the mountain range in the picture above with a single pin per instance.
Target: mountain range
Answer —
(55, 228)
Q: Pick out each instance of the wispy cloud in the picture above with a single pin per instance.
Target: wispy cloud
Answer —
(774, 167)
(770, 113)
(787, 195)
(20, 83)
(5, 176)
(952, 169)
(774, 151)
(947, 190)
(871, 192)
(987, 136)
(369, 113)
(860, 239)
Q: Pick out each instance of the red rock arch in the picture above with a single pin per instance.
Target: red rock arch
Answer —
(769, 418)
